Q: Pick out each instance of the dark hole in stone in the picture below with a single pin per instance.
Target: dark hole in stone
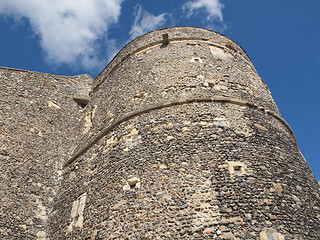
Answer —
(82, 101)
(237, 170)
(165, 40)
(82, 105)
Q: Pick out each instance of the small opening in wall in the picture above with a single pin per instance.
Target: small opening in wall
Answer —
(83, 105)
(133, 183)
(237, 170)
(82, 101)
(165, 40)
(196, 59)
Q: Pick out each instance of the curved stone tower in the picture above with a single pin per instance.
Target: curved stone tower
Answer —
(182, 140)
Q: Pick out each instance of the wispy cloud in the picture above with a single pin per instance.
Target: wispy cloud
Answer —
(145, 22)
(213, 8)
(68, 30)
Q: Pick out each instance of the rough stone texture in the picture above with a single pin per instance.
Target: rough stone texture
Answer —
(39, 124)
(180, 140)
(195, 195)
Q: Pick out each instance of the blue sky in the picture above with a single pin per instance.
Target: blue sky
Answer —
(81, 36)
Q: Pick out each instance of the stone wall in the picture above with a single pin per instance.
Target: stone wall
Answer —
(183, 140)
(39, 124)
(177, 138)
(201, 170)
(196, 63)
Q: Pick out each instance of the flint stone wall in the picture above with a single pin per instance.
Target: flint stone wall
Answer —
(39, 126)
(146, 72)
(197, 170)
(181, 158)
(177, 138)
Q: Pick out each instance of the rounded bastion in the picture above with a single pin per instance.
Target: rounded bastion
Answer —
(183, 140)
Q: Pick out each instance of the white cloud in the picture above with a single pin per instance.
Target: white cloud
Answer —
(145, 22)
(212, 7)
(68, 30)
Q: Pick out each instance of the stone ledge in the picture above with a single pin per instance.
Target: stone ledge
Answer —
(130, 115)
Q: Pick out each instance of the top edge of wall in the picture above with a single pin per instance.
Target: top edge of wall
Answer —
(155, 37)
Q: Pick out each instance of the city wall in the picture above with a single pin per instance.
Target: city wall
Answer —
(185, 142)
(177, 138)
(39, 126)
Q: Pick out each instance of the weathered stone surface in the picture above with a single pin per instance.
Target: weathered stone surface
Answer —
(225, 167)
(229, 164)
(39, 126)
(271, 234)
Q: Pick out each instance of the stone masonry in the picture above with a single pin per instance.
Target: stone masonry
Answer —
(39, 125)
(177, 138)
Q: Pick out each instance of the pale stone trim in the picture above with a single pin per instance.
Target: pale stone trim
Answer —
(128, 116)
(77, 213)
